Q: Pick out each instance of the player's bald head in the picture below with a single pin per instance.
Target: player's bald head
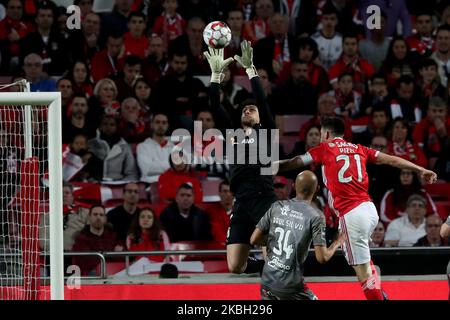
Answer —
(306, 184)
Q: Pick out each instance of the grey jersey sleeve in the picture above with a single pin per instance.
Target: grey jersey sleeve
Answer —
(318, 228)
(448, 221)
(264, 223)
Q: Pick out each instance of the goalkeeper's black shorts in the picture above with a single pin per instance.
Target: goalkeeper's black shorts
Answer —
(245, 216)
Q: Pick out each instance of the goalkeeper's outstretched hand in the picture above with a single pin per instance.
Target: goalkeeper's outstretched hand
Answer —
(217, 63)
(246, 60)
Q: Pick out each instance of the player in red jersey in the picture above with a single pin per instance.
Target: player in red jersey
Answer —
(345, 176)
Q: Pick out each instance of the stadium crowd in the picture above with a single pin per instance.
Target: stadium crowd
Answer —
(128, 78)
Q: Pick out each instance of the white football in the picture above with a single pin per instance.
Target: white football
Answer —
(217, 35)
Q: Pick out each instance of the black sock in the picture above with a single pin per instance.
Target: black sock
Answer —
(254, 265)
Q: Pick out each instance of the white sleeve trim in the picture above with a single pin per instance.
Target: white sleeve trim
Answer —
(306, 159)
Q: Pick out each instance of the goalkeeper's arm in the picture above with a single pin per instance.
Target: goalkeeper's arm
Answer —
(287, 164)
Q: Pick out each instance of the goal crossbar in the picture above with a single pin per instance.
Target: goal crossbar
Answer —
(53, 100)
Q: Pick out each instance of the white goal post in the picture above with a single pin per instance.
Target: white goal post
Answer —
(54, 156)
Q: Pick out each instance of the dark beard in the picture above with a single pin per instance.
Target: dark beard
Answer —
(248, 123)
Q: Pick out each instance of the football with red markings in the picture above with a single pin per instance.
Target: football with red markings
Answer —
(217, 35)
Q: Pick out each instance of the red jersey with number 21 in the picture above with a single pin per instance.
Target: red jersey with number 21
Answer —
(344, 172)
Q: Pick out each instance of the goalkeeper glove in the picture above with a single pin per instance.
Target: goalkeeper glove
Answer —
(217, 64)
(246, 60)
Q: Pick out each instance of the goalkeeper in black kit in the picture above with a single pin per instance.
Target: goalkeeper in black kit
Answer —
(251, 179)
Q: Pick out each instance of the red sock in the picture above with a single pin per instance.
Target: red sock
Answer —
(372, 286)
(370, 290)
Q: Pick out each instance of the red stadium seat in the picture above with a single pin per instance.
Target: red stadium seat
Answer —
(439, 191)
(210, 188)
(288, 143)
(291, 124)
(154, 192)
(443, 209)
(157, 207)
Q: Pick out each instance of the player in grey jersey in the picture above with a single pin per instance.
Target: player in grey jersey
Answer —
(290, 227)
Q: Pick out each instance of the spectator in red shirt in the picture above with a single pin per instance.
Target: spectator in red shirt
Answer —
(170, 24)
(326, 106)
(308, 51)
(109, 61)
(235, 20)
(401, 146)
(258, 27)
(146, 235)
(276, 51)
(12, 30)
(178, 174)
(104, 100)
(398, 61)
(135, 41)
(393, 204)
(97, 236)
(421, 44)
(432, 132)
(348, 101)
(80, 77)
(155, 65)
(132, 126)
(351, 62)
(219, 213)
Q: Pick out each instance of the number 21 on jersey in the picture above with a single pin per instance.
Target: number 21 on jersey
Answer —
(347, 162)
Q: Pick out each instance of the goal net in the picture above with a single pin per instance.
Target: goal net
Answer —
(31, 253)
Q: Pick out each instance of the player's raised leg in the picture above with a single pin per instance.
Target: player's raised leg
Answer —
(357, 226)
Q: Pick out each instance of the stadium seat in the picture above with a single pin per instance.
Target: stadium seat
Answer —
(291, 124)
(443, 209)
(439, 191)
(210, 188)
(288, 143)
(157, 207)
(153, 192)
